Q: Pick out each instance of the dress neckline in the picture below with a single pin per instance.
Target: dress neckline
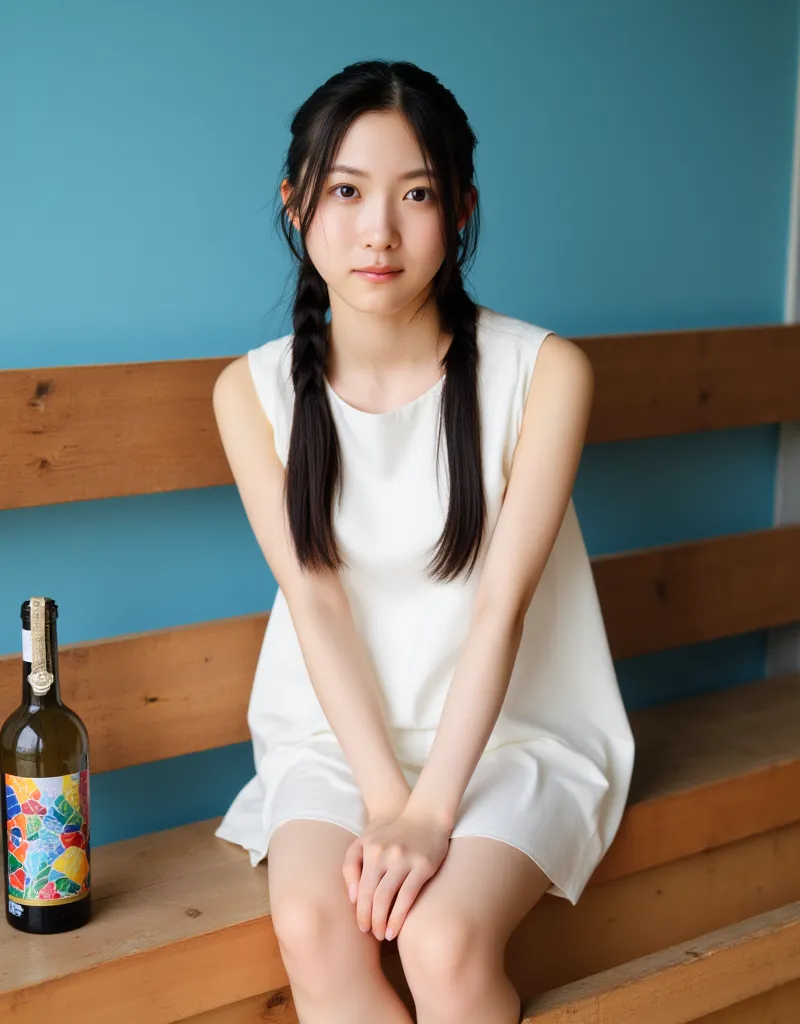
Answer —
(389, 412)
(406, 406)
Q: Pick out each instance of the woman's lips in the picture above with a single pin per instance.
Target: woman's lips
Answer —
(368, 276)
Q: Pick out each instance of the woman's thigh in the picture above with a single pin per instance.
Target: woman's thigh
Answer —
(483, 889)
(310, 908)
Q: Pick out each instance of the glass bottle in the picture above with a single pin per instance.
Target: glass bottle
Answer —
(44, 771)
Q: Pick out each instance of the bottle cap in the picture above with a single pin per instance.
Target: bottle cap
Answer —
(50, 607)
(40, 677)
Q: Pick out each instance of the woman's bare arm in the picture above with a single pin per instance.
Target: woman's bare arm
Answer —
(543, 471)
(333, 650)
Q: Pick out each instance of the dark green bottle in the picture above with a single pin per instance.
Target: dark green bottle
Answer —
(44, 770)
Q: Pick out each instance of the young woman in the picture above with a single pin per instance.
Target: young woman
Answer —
(438, 733)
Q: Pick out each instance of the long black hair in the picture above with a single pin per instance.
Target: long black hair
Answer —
(447, 142)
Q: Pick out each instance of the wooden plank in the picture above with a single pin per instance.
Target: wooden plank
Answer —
(677, 382)
(158, 694)
(688, 593)
(776, 1007)
(709, 769)
(168, 903)
(703, 817)
(271, 1008)
(80, 432)
(171, 907)
(646, 911)
(716, 737)
(686, 981)
(779, 1006)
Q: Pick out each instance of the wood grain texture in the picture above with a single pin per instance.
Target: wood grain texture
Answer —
(79, 432)
(686, 981)
(164, 693)
(709, 769)
(679, 382)
(169, 692)
(270, 1008)
(557, 943)
(170, 908)
(173, 903)
(180, 898)
(641, 914)
(688, 593)
(645, 911)
(778, 1006)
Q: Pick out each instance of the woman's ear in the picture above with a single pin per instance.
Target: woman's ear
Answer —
(286, 192)
(469, 205)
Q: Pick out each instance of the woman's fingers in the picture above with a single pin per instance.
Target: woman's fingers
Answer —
(406, 895)
(372, 872)
(389, 865)
(352, 867)
(382, 900)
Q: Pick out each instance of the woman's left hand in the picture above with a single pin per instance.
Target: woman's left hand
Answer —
(394, 855)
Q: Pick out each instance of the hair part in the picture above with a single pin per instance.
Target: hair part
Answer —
(314, 465)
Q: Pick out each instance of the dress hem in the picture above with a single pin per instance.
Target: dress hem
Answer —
(561, 889)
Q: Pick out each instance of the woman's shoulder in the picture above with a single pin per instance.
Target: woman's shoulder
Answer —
(271, 367)
(503, 331)
(508, 345)
(275, 353)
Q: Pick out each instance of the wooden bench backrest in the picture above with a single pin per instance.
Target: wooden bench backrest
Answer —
(83, 432)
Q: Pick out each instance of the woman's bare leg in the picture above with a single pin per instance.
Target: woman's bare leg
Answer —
(452, 943)
(334, 968)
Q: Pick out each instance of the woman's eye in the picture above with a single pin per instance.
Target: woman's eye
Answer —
(353, 189)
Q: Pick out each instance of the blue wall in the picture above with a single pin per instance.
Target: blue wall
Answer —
(646, 149)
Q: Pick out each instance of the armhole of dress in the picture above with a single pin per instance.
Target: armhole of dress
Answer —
(533, 346)
(529, 349)
(262, 372)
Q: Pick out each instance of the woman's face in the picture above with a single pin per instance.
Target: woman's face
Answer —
(389, 214)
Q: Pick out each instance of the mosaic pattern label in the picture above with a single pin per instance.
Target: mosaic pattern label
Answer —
(48, 838)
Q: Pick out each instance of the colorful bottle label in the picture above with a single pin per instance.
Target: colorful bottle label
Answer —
(47, 829)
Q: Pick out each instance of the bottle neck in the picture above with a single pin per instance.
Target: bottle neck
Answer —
(53, 695)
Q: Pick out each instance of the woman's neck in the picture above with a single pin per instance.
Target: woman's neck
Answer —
(375, 349)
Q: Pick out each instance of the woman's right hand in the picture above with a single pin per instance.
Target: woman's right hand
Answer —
(386, 867)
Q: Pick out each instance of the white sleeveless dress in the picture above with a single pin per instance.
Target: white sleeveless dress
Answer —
(554, 776)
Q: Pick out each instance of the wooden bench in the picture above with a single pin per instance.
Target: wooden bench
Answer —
(693, 912)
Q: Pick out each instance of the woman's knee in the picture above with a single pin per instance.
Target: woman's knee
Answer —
(446, 956)
(301, 917)
(312, 916)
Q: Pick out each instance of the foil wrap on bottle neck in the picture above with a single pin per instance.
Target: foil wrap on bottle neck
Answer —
(39, 677)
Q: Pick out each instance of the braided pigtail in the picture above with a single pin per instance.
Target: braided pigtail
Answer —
(313, 466)
(466, 516)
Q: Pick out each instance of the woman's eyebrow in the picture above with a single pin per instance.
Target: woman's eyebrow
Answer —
(420, 172)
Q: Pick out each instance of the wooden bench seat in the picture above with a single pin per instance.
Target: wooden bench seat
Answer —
(709, 841)
(181, 904)
(689, 981)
